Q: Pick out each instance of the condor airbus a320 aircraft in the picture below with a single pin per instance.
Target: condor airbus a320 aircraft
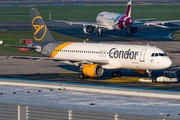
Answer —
(114, 21)
(93, 58)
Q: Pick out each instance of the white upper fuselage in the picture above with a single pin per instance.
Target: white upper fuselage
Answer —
(114, 21)
(139, 57)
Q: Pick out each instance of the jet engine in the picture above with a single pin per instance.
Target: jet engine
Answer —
(92, 70)
(87, 29)
(133, 29)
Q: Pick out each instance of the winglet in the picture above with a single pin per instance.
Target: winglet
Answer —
(128, 8)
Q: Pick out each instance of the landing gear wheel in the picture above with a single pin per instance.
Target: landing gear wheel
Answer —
(119, 74)
(99, 32)
(116, 73)
(82, 76)
(128, 34)
(99, 35)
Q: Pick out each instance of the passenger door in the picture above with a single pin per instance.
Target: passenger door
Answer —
(142, 55)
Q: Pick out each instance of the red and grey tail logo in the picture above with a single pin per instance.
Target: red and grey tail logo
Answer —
(39, 28)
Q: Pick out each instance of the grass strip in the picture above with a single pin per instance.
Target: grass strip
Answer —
(13, 38)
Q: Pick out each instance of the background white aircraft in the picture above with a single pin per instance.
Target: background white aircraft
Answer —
(114, 21)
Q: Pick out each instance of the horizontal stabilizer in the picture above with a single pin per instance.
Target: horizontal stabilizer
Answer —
(18, 46)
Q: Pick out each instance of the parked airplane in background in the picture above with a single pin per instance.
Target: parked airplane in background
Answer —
(93, 58)
(114, 21)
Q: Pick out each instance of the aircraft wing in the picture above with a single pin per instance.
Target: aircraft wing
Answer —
(84, 23)
(101, 62)
(154, 23)
(74, 22)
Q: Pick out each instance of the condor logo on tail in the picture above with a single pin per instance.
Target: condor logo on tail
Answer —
(39, 28)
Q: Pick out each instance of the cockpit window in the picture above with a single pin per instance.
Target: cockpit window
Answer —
(161, 54)
(152, 55)
(158, 54)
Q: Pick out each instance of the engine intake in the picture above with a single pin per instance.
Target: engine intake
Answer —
(87, 29)
(92, 70)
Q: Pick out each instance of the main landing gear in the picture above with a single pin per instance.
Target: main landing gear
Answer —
(82, 76)
(101, 31)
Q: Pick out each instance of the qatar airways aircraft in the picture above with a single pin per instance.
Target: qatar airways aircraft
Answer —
(93, 58)
(114, 21)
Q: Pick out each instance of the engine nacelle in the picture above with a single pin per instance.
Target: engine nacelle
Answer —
(92, 70)
(133, 29)
(87, 29)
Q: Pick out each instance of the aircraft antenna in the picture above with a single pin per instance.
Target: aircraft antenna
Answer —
(50, 15)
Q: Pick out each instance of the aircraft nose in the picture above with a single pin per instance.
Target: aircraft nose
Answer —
(167, 62)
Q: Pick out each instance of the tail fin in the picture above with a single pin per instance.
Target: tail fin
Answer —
(40, 31)
(128, 8)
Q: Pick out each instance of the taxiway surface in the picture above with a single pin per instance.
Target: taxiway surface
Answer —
(149, 33)
(54, 72)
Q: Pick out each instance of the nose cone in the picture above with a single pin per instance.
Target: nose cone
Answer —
(167, 63)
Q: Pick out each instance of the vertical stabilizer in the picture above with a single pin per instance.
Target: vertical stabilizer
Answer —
(40, 31)
(128, 8)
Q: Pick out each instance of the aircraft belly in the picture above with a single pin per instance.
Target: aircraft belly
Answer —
(113, 64)
(116, 27)
(77, 56)
(130, 64)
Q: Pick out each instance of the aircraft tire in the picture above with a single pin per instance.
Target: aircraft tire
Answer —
(81, 76)
(128, 34)
(119, 74)
(116, 74)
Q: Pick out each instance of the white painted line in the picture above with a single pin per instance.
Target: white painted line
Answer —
(123, 92)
